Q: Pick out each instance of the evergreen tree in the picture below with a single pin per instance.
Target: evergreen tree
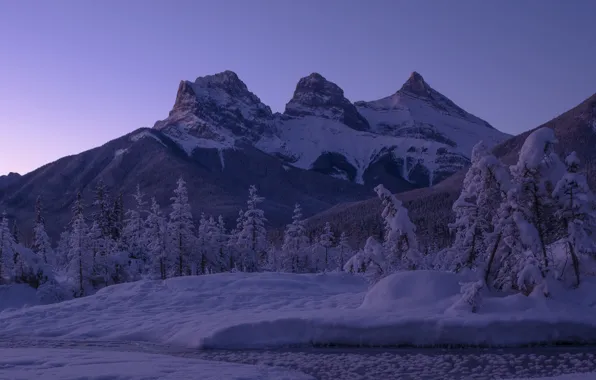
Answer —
(325, 242)
(401, 244)
(534, 176)
(116, 217)
(156, 236)
(575, 209)
(293, 250)
(253, 236)
(134, 226)
(484, 188)
(220, 239)
(102, 213)
(344, 250)
(41, 241)
(180, 230)
(7, 251)
(16, 232)
(79, 260)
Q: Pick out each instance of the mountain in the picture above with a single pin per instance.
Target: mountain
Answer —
(217, 180)
(221, 138)
(6, 180)
(413, 138)
(430, 208)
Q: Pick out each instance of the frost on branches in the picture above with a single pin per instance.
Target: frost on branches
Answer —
(577, 213)
(484, 188)
(401, 244)
(252, 238)
(294, 255)
(181, 239)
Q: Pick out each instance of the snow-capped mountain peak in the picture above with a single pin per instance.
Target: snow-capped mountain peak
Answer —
(414, 137)
(216, 111)
(316, 96)
(416, 85)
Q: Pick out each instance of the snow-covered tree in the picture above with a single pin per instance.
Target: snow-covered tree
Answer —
(323, 246)
(117, 217)
(16, 232)
(79, 260)
(41, 241)
(233, 243)
(134, 228)
(203, 240)
(181, 239)
(155, 238)
(534, 176)
(102, 214)
(295, 245)
(575, 203)
(343, 250)
(220, 242)
(7, 250)
(484, 188)
(401, 244)
(253, 236)
(371, 261)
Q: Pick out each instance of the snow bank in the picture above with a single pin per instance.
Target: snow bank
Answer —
(60, 364)
(256, 310)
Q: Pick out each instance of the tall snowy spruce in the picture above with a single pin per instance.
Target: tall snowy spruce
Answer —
(343, 251)
(401, 243)
(155, 238)
(534, 177)
(575, 209)
(79, 260)
(7, 251)
(181, 239)
(323, 248)
(41, 241)
(253, 236)
(293, 251)
(134, 228)
(484, 188)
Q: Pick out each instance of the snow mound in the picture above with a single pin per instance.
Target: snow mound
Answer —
(256, 310)
(69, 364)
(413, 290)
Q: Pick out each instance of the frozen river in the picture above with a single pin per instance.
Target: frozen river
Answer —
(374, 363)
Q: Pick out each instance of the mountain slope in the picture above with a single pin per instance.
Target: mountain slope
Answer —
(154, 161)
(430, 208)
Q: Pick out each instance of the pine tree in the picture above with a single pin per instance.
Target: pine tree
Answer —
(102, 214)
(253, 236)
(155, 237)
(484, 188)
(41, 241)
(401, 244)
(7, 250)
(344, 250)
(220, 239)
(293, 250)
(79, 260)
(534, 176)
(134, 226)
(234, 247)
(180, 230)
(16, 232)
(117, 218)
(326, 241)
(575, 209)
(200, 262)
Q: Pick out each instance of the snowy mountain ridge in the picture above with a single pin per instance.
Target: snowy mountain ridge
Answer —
(413, 138)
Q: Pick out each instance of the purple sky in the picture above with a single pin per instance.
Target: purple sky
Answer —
(77, 73)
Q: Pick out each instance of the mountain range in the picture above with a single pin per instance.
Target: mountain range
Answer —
(323, 150)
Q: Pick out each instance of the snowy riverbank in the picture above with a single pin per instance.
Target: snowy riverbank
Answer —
(242, 310)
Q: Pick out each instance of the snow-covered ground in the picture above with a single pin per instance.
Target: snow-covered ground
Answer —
(71, 364)
(257, 310)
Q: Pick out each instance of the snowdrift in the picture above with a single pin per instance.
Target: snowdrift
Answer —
(257, 310)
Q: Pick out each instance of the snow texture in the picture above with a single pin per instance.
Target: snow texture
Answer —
(72, 364)
(255, 310)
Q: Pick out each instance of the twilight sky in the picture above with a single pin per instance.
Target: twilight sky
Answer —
(77, 73)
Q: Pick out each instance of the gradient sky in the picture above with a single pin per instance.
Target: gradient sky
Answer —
(77, 73)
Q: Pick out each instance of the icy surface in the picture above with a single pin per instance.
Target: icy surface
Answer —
(71, 364)
(272, 310)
